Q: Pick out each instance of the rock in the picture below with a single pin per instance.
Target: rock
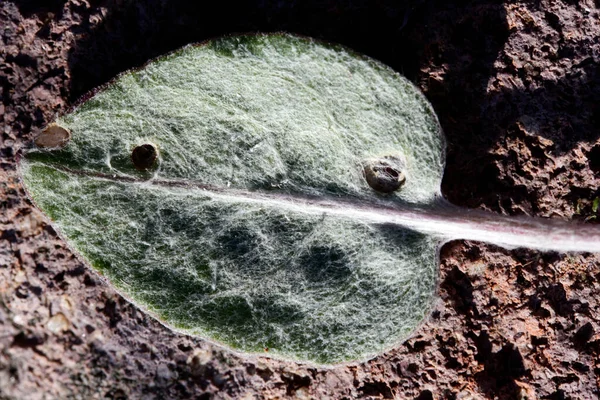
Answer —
(478, 98)
(164, 375)
(58, 323)
(199, 361)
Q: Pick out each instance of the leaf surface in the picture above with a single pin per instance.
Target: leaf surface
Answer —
(215, 239)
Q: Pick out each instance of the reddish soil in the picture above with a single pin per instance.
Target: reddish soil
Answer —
(517, 89)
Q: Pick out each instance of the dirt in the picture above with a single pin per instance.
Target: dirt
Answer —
(517, 88)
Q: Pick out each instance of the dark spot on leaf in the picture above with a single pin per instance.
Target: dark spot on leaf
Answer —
(144, 156)
(238, 242)
(325, 264)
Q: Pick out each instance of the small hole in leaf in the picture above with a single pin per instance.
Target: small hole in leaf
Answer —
(144, 156)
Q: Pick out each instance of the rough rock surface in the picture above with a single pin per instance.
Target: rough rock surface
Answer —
(517, 89)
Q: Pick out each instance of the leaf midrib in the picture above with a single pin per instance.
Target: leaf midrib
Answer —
(439, 219)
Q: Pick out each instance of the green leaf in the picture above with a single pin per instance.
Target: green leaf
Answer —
(245, 230)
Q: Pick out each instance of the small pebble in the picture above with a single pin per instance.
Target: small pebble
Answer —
(58, 323)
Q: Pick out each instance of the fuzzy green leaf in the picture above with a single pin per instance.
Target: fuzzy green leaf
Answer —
(216, 238)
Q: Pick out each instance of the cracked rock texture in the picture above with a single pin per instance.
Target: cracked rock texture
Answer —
(517, 88)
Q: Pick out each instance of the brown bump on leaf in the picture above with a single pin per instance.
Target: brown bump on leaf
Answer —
(53, 136)
(144, 156)
(385, 174)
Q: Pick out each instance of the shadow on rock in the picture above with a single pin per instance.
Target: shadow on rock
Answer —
(408, 35)
(132, 34)
(27, 8)
(501, 369)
